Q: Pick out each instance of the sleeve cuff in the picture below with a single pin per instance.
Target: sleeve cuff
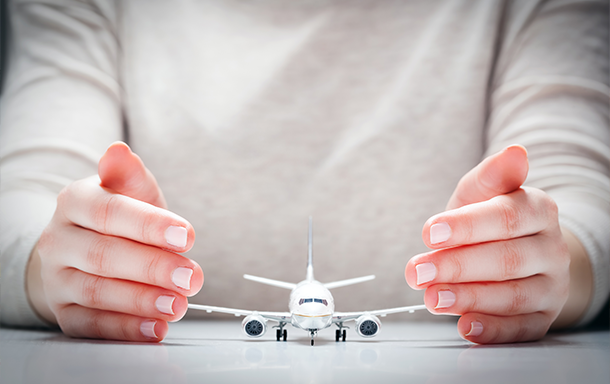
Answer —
(599, 267)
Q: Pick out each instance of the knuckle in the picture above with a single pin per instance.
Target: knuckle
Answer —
(510, 218)
(151, 269)
(147, 221)
(139, 299)
(123, 330)
(457, 268)
(102, 211)
(519, 301)
(96, 258)
(512, 260)
(466, 226)
(474, 299)
(96, 325)
(92, 290)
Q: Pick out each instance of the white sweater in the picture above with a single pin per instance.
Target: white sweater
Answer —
(255, 115)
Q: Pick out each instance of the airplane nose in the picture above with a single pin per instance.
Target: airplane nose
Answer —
(311, 322)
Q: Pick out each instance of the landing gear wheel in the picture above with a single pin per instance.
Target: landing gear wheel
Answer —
(312, 342)
(343, 335)
(285, 335)
(337, 335)
(278, 335)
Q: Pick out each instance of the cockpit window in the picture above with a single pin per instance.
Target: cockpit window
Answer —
(321, 301)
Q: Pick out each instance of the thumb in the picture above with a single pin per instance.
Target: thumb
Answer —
(124, 172)
(498, 174)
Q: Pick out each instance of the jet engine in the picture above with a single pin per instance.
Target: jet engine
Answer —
(254, 325)
(368, 325)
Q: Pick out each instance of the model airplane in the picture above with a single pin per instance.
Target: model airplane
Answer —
(311, 306)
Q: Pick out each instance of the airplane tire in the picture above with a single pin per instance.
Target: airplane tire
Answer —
(285, 335)
(278, 335)
(344, 335)
(337, 334)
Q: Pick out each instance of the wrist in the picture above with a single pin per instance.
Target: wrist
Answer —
(35, 290)
(581, 283)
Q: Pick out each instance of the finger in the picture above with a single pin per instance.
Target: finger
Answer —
(523, 212)
(498, 174)
(494, 261)
(118, 296)
(538, 293)
(77, 321)
(115, 257)
(488, 329)
(86, 204)
(124, 172)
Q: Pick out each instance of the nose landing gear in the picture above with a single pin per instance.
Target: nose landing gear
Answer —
(312, 334)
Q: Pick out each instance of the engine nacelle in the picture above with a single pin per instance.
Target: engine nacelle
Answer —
(368, 325)
(254, 326)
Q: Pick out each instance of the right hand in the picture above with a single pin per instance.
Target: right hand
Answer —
(107, 260)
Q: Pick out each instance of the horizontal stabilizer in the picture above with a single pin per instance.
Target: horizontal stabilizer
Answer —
(343, 283)
(275, 283)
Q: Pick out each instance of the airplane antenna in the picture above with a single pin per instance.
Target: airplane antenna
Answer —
(310, 252)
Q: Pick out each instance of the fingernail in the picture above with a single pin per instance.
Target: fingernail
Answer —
(164, 304)
(176, 236)
(445, 299)
(476, 328)
(439, 232)
(147, 328)
(182, 277)
(515, 146)
(425, 272)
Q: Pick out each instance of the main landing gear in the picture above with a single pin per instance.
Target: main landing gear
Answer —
(340, 333)
(281, 333)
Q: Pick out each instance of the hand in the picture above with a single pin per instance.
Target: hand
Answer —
(499, 259)
(106, 265)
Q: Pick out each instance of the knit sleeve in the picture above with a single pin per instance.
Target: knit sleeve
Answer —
(60, 109)
(550, 93)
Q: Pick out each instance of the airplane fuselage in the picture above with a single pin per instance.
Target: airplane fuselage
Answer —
(311, 306)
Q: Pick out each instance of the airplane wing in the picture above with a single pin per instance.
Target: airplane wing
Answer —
(347, 316)
(275, 316)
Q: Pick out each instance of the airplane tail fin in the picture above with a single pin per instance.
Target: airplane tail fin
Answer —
(309, 276)
(286, 285)
(275, 283)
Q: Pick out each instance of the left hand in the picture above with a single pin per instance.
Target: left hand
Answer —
(499, 259)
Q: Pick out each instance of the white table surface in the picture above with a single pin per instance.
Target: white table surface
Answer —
(218, 352)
